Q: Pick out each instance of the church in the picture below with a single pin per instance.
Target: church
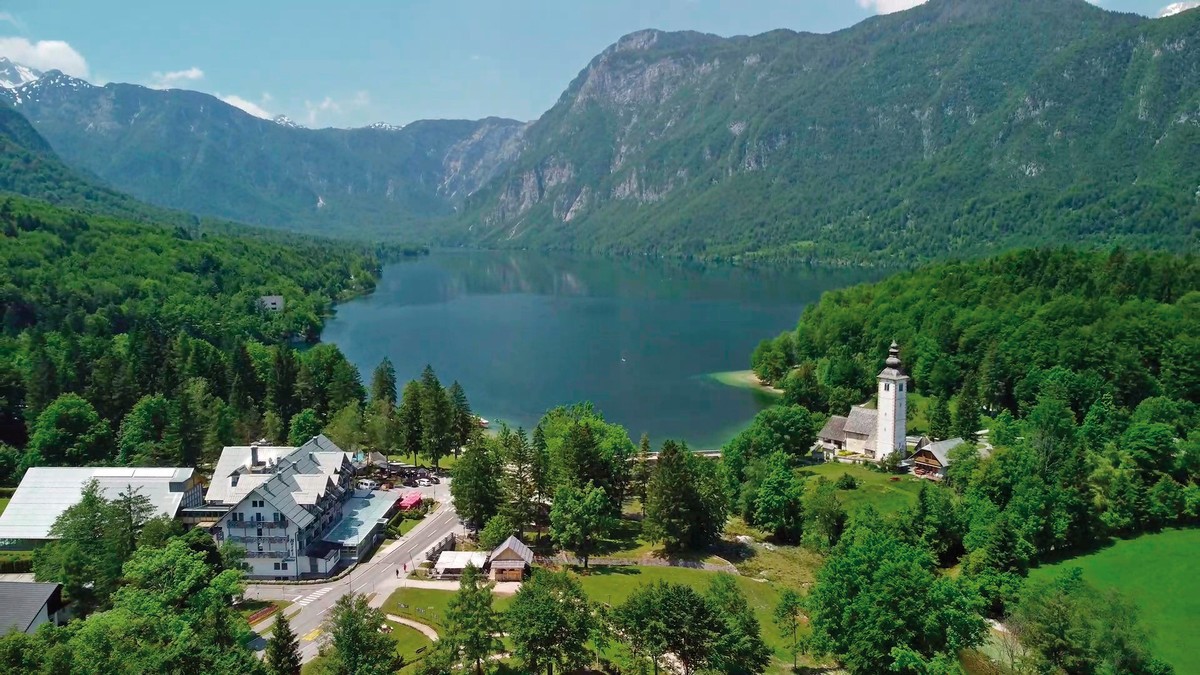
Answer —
(876, 433)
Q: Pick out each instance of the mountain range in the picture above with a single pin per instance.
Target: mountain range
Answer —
(957, 127)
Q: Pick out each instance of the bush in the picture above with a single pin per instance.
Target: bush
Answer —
(846, 482)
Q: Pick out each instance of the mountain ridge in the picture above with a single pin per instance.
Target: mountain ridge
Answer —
(189, 150)
(959, 127)
(792, 143)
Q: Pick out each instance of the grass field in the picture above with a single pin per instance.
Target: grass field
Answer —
(1156, 571)
(3, 503)
(408, 641)
(877, 489)
(611, 585)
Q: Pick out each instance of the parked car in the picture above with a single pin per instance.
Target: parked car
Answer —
(424, 482)
(366, 484)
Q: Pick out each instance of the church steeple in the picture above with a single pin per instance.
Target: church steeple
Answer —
(891, 423)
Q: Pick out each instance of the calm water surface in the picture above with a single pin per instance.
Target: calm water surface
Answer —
(524, 332)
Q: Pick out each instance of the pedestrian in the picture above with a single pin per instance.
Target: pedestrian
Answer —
(397, 572)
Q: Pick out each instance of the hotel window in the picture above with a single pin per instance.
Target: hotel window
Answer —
(887, 387)
(283, 566)
(901, 386)
(276, 565)
(260, 531)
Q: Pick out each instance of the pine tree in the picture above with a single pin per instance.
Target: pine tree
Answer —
(940, 424)
(966, 413)
(281, 390)
(471, 622)
(639, 480)
(283, 649)
(41, 385)
(383, 382)
(463, 419)
(436, 417)
(409, 420)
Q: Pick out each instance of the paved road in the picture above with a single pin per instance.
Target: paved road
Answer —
(378, 576)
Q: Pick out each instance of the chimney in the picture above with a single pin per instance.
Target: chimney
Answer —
(254, 455)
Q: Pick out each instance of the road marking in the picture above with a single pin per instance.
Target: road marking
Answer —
(311, 635)
(312, 597)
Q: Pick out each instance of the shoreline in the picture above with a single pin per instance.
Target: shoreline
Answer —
(744, 379)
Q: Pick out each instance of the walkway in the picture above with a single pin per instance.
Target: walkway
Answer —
(424, 628)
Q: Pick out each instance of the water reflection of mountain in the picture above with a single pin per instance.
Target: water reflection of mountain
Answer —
(559, 274)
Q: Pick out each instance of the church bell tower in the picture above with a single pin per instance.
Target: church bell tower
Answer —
(891, 421)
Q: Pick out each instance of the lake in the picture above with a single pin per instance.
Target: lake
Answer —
(524, 332)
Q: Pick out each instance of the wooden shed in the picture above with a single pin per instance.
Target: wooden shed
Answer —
(510, 561)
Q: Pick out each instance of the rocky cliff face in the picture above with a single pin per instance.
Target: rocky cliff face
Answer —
(905, 135)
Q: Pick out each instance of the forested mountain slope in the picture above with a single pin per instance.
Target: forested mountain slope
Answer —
(958, 127)
(191, 151)
(110, 311)
(29, 166)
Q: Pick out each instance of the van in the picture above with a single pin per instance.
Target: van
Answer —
(367, 485)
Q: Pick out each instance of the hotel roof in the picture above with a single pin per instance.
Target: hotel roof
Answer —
(45, 492)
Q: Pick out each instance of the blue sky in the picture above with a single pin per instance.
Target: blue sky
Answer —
(355, 62)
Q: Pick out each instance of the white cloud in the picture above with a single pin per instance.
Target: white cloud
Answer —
(889, 6)
(45, 55)
(249, 106)
(1177, 7)
(329, 106)
(173, 78)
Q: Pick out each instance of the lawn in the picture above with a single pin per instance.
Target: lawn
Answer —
(877, 489)
(408, 641)
(4, 502)
(610, 585)
(1156, 571)
(428, 605)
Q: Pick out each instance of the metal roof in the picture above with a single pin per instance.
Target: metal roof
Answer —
(290, 479)
(45, 492)
(515, 545)
(21, 602)
(941, 449)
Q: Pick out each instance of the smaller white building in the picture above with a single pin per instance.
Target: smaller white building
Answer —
(272, 303)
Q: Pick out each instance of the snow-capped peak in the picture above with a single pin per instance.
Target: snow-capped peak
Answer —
(384, 126)
(285, 121)
(13, 75)
(1177, 7)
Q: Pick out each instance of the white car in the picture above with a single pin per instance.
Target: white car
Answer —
(367, 485)
(424, 482)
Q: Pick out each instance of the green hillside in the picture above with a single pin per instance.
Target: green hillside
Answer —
(958, 127)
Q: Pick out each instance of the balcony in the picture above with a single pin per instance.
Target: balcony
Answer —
(265, 540)
(266, 554)
(251, 524)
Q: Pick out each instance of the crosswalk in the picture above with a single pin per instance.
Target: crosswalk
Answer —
(313, 597)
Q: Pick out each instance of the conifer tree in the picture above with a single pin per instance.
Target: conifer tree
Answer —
(409, 420)
(383, 382)
(283, 649)
(471, 622)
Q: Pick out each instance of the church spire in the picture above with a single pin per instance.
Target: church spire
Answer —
(893, 360)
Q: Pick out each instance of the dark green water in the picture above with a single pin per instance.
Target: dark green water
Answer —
(524, 332)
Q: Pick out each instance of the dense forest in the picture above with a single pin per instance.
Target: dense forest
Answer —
(1082, 367)
(126, 342)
